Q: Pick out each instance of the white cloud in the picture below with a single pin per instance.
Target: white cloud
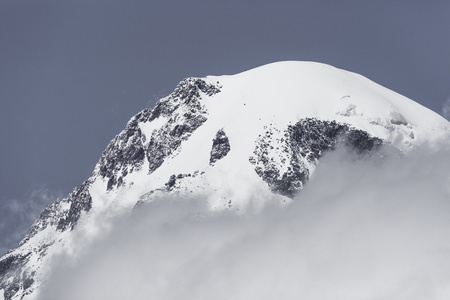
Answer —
(359, 230)
(446, 109)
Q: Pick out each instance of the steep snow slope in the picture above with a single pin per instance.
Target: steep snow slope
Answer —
(289, 91)
(215, 137)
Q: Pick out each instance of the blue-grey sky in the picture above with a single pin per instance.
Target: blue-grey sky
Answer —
(73, 72)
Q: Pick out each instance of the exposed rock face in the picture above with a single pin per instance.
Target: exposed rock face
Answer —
(285, 163)
(81, 201)
(124, 154)
(184, 113)
(220, 147)
(312, 137)
(11, 267)
(64, 213)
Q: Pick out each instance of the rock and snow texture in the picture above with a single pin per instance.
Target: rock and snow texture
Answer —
(300, 148)
(214, 137)
(220, 147)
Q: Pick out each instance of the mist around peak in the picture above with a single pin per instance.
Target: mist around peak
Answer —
(360, 229)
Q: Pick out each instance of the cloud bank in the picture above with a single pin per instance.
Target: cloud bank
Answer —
(359, 230)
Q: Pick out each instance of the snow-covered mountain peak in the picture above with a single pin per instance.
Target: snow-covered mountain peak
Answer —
(213, 138)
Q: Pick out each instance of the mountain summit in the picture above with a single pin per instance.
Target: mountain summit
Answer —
(212, 138)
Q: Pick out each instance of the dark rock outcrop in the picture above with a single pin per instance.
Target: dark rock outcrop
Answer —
(303, 144)
(63, 213)
(11, 267)
(220, 147)
(81, 201)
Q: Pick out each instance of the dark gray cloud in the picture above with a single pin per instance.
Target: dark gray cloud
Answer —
(359, 230)
(73, 72)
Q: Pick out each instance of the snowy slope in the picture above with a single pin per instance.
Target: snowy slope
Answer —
(214, 137)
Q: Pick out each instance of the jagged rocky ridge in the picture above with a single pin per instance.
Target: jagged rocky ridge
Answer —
(126, 152)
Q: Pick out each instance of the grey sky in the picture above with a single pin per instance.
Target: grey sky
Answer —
(73, 72)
